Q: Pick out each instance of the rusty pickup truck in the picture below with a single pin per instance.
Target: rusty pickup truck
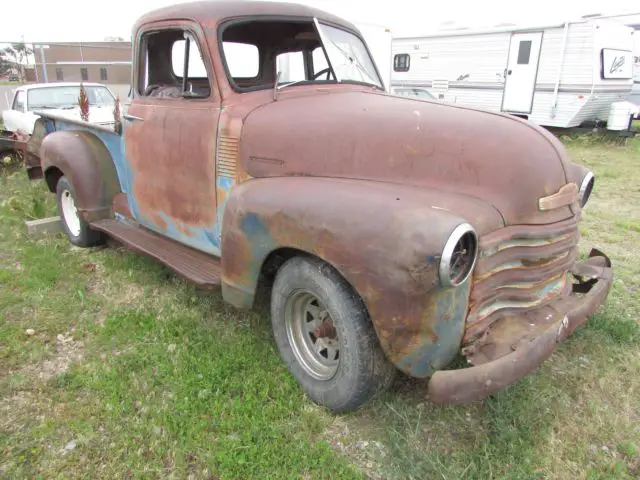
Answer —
(260, 149)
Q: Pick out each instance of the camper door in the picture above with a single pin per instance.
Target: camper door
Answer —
(521, 72)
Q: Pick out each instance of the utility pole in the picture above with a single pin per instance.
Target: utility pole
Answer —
(44, 65)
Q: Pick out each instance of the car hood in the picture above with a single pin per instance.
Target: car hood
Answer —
(98, 115)
(502, 160)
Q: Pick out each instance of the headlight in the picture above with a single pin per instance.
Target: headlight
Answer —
(458, 256)
(585, 188)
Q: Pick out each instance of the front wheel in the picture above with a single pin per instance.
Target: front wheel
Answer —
(325, 336)
(76, 228)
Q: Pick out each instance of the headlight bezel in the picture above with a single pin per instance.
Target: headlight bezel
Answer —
(463, 236)
(586, 187)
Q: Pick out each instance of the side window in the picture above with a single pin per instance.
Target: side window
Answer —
(401, 62)
(243, 59)
(171, 66)
(524, 52)
(291, 66)
(18, 101)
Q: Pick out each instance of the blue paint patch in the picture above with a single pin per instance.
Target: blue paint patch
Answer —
(113, 141)
(199, 238)
(224, 184)
(451, 305)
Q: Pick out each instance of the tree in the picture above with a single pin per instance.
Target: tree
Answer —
(15, 55)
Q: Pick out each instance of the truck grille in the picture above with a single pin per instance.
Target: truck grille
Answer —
(520, 268)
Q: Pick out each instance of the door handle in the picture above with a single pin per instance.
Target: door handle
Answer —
(509, 72)
(132, 118)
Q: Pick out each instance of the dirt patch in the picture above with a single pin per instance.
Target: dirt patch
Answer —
(366, 454)
(68, 351)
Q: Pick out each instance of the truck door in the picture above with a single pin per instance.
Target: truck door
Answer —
(170, 135)
(521, 72)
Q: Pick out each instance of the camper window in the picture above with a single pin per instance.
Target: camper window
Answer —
(524, 52)
(401, 62)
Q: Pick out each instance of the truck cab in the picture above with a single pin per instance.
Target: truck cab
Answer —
(261, 149)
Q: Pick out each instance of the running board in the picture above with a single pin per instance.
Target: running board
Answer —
(195, 266)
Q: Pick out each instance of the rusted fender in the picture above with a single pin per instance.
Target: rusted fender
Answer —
(83, 158)
(385, 240)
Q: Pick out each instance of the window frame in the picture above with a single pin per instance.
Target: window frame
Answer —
(84, 72)
(60, 74)
(140, 69)
(397, 57)
(105, 77)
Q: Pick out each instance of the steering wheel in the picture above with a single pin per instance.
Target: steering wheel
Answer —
(324, 71)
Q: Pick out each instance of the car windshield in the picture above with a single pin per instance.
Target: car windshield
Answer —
(348, 56)
(67, 97)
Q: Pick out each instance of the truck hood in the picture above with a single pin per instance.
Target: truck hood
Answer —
(499, 159)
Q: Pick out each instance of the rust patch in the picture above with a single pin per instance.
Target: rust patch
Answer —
(175, 175)
(121, 205)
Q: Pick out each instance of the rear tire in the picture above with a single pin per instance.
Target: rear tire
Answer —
(76, 228)
(325, 337)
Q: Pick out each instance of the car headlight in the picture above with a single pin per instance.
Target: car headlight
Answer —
(458, 256)
(585, 188)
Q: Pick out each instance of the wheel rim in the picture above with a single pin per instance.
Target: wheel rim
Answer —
(312, 335)
(70, 212)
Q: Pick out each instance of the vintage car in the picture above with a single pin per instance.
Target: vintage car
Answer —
(59, 99)
(392, 233)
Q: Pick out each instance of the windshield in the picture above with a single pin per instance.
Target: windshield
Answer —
(348, 56)
(67, 97)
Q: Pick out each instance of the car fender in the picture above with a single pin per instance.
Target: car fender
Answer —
(84, 159)
(386, 240)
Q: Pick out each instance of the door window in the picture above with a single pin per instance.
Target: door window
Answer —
(524, 52)
(171, 65)
(18, 101)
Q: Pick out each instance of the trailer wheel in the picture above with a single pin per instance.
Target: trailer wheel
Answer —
(325, 336)
(76, 228)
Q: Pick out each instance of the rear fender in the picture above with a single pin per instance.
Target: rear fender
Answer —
(84, 159)
(385, 240)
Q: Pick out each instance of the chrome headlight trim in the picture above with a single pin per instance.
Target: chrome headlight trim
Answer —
(466, 233)
(586, 187)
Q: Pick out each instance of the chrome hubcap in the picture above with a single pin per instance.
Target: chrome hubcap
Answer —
(70, 213)
(312, 335)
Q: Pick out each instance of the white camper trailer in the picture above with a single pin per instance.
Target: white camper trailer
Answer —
(562, 75)
(631, 20)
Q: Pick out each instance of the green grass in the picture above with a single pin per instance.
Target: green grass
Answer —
(132, 373)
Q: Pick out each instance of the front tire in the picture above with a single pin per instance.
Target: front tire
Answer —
(325, 336)
(76, 228)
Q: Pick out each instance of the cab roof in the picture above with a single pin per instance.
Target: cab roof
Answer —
(212, 13)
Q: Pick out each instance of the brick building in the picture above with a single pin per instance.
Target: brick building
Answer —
(103, 62)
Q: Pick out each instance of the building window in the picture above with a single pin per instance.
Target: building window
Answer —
(103, 74)
(401, 62)
(84, 73)
(59, 75)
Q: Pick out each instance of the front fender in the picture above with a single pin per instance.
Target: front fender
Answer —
(84, 159)
(384, 239)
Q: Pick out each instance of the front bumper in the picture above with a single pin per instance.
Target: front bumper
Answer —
(531, 337)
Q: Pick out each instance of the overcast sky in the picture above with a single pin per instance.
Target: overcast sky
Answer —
(77, 20)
